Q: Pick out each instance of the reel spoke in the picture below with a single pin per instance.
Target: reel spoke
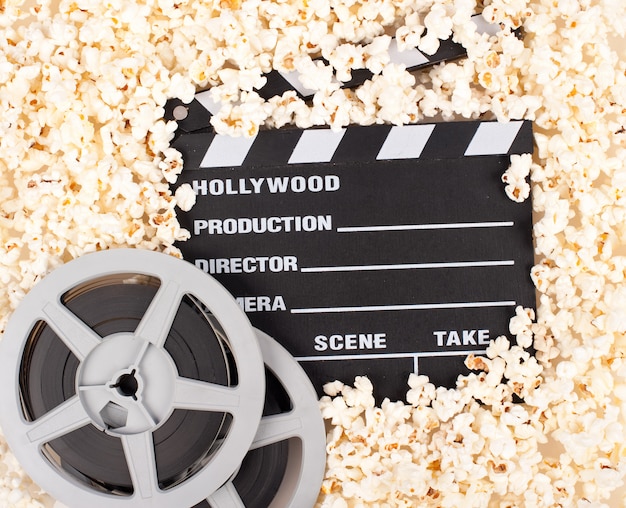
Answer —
(226, 497)
(71, 330)
(156, 323)
(141, 354)
(276, 428)
(202, 396)
(62, 420)
(139, 452)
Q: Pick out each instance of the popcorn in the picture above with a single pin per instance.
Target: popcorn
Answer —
(520, 326)
(241, 119)
(185, 197)
(171, 165)
(376, 53)
(315, 75)
(515, 177)
(86, 164)
(391, 97)
(286, 109)
(438, 26)
(346, 57)
(616, 316)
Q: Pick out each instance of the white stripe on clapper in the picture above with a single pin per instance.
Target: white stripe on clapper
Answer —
(405, 142)
(293, 78)
(316, 145)
(484, 27)
(493, 138)
(410, 57)
(207, 102)
(227, 151)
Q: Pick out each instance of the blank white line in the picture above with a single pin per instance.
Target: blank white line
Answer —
(423, 306)
(409, 227)
(378, 356)
(406, 266)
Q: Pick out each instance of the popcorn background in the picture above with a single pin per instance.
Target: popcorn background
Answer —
(85, 164)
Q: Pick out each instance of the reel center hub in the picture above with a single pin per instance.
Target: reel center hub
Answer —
(126, 385)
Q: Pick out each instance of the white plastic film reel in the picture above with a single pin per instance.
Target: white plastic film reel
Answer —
(301, 427)
(126, 385)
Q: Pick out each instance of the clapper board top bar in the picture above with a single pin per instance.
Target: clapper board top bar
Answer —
(197, 114)
(447, 140)
(413, 59)
(374, 251)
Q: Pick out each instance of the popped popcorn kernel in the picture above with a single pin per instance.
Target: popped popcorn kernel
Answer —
(515, 176)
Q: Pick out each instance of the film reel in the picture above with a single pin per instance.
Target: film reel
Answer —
(160, 413)
(286, 463)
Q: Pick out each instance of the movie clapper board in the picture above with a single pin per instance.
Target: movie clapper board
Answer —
(377, 251)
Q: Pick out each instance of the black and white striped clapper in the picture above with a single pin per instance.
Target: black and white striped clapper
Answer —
(374, 250)
(197, 114)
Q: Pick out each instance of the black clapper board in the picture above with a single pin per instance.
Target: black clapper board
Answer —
(377, 251)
